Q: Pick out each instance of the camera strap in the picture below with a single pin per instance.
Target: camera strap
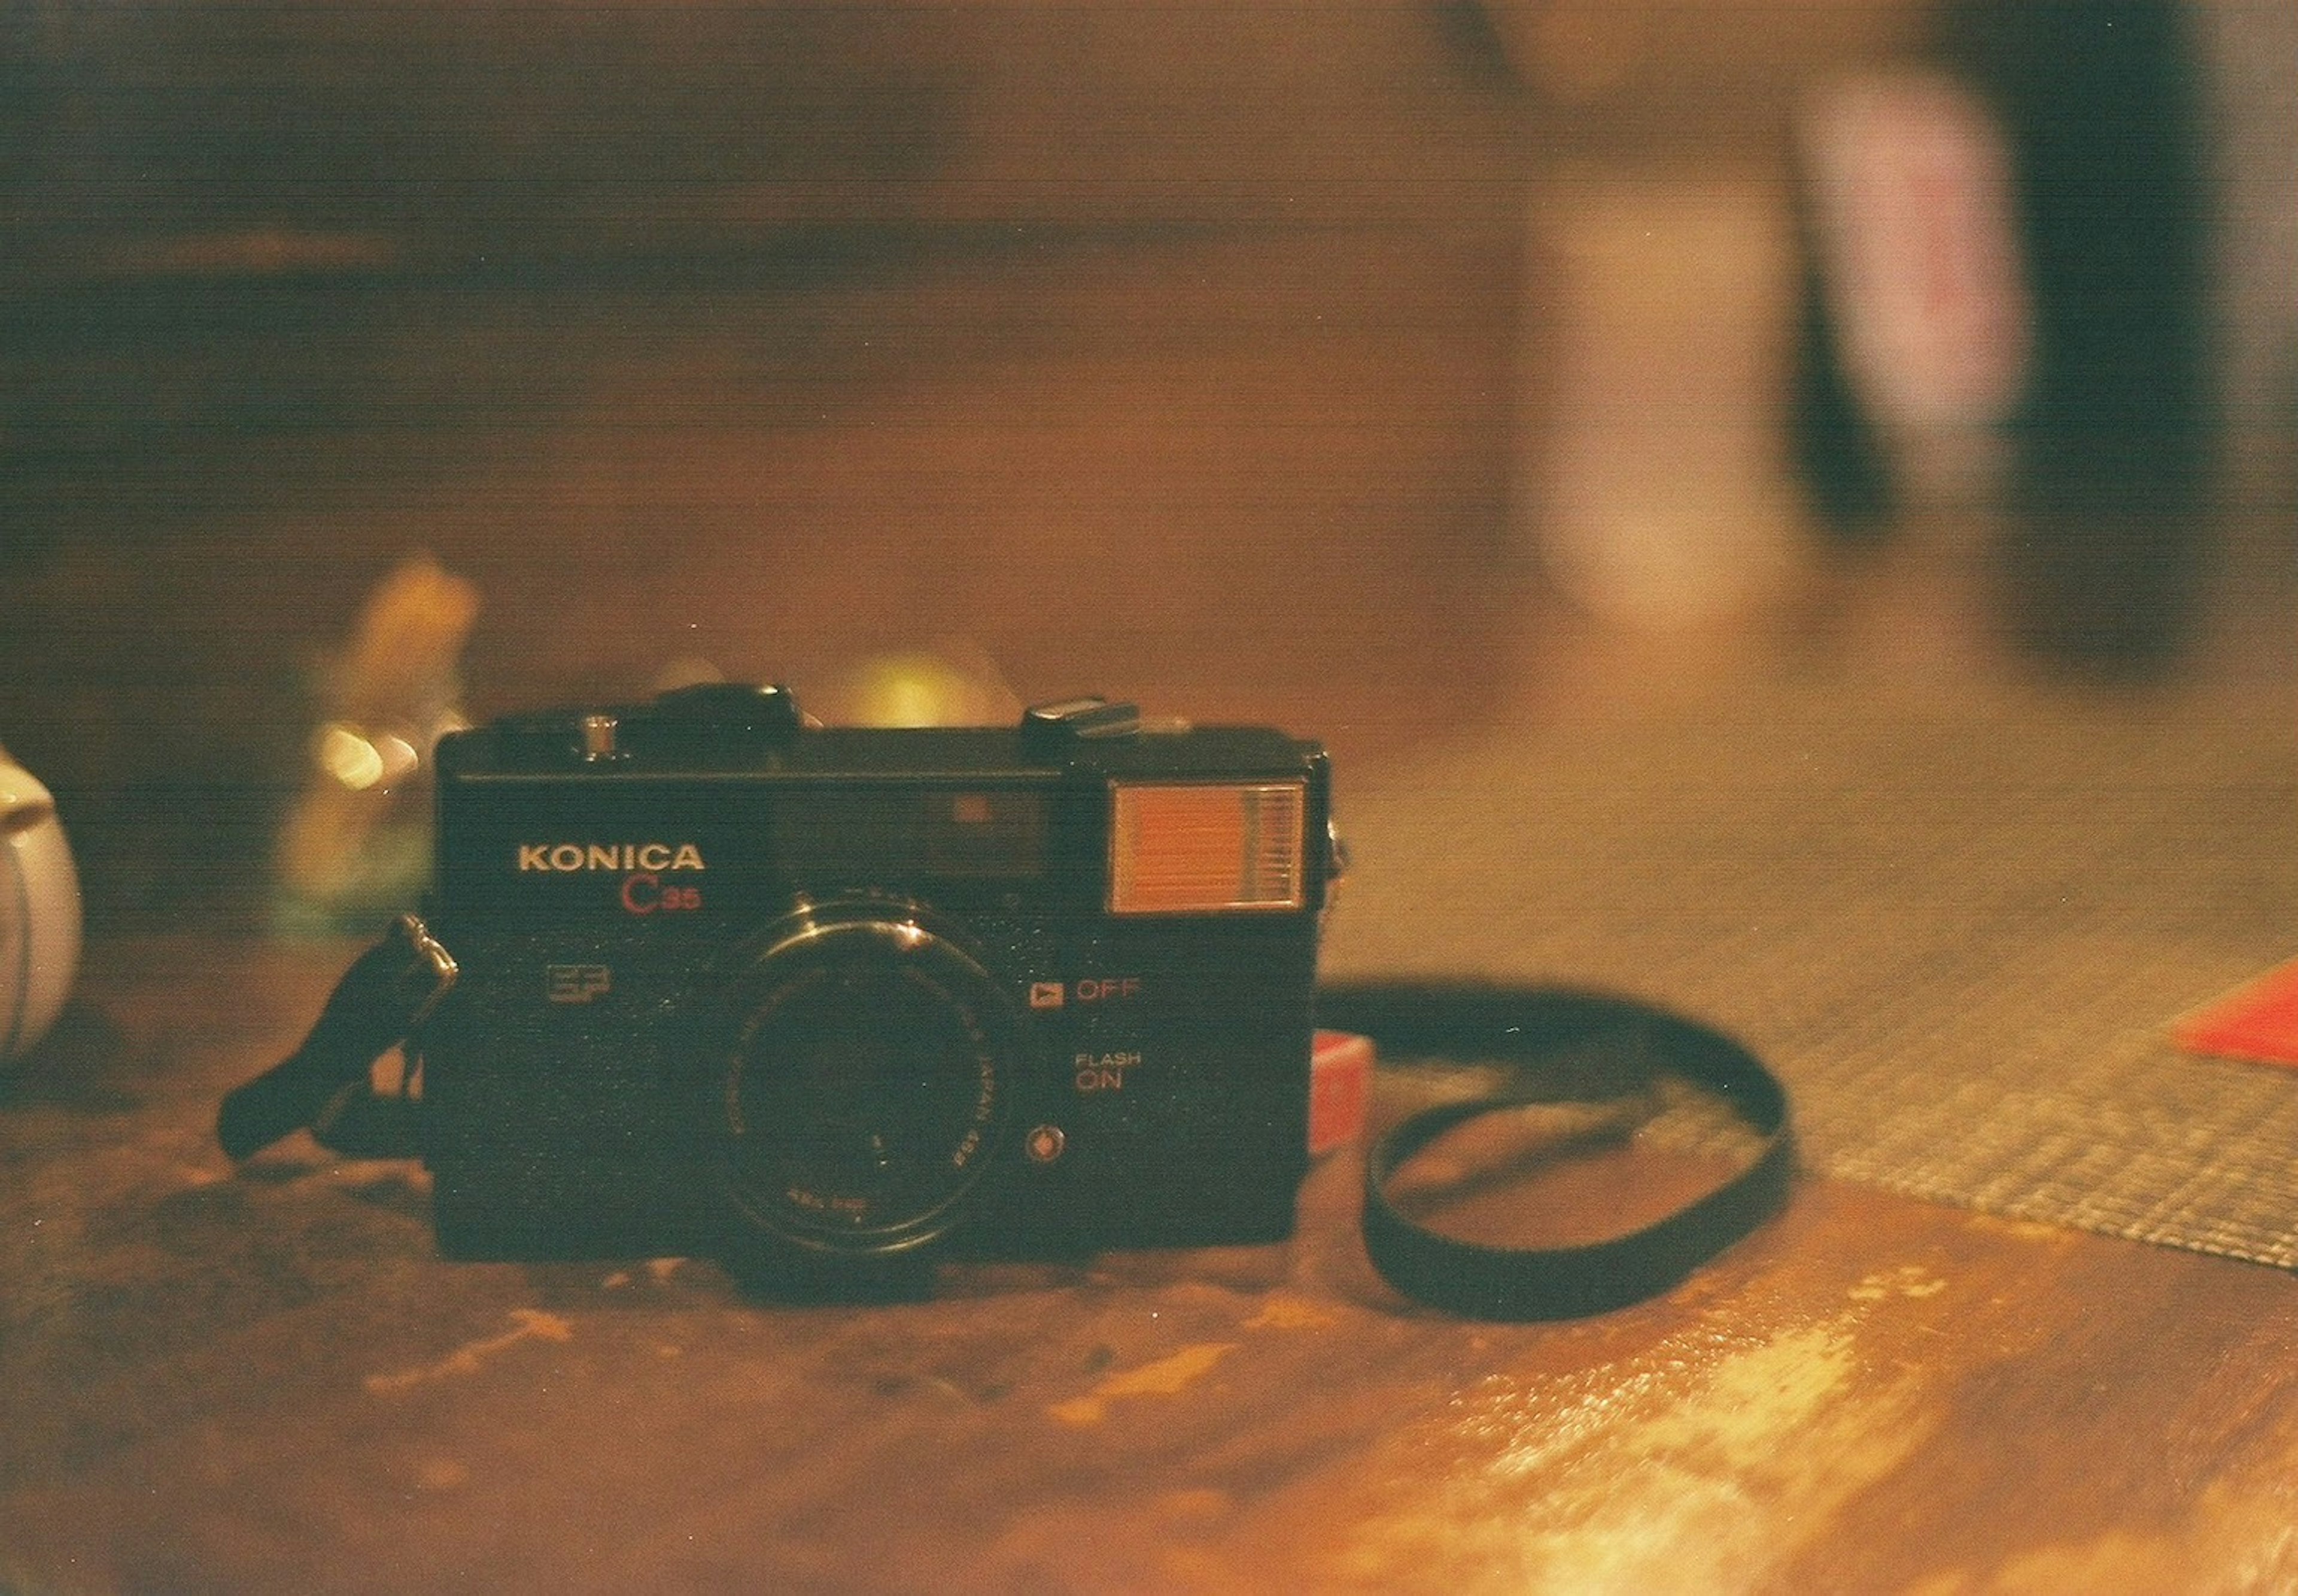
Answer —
(322, 1086)
(1557, 1048)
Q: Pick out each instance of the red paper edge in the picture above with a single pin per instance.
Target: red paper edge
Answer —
(2256, 1022)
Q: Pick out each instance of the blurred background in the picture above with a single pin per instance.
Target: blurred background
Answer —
(1375, 369)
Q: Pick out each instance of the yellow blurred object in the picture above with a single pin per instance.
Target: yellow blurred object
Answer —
(358, 840)
(956, 686)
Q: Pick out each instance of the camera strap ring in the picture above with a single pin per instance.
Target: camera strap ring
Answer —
(1559, 1047)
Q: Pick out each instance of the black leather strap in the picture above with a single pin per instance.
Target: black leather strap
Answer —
(1560, 1047)
(383, 995)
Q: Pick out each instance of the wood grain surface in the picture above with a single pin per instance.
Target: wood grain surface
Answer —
(267, 1381)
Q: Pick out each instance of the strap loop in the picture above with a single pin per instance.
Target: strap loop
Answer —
(1560, 1047)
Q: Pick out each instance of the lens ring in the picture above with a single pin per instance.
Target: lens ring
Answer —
(863, 1079)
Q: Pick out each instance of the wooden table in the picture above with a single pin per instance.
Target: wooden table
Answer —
(267, 1380)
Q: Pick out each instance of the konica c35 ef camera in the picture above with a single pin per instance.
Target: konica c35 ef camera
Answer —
(732, 982)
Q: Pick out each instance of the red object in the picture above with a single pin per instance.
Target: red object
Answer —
(1340, 1089)
(2258, 1021)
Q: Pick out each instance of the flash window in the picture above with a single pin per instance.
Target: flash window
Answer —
(1206, 849)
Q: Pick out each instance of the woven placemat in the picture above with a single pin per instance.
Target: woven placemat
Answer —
(1958, 923)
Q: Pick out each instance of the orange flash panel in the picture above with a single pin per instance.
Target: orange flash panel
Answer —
(1202, 849)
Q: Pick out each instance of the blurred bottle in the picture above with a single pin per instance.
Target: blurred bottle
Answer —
(2108, 448)
(1919, 336)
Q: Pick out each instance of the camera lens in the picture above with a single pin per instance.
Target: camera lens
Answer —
(864, 1085)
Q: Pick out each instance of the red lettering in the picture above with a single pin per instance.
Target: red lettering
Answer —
(644, 893)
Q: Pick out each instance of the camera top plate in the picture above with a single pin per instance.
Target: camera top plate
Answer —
(1085, 807)
(722, 729)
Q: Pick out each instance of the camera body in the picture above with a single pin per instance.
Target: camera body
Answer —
(807, 997)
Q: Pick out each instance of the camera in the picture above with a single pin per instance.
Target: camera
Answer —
(815, 998)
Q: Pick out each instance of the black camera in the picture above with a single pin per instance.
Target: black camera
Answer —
(827, 997)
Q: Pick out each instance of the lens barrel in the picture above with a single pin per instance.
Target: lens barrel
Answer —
(863, 1079)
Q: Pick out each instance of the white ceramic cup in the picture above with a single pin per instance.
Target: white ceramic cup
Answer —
(39, 913)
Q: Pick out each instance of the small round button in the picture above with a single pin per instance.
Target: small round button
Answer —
(1045, 1143)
